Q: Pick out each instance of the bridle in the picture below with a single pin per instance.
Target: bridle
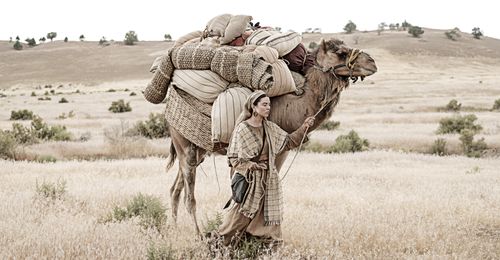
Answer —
(349, 64)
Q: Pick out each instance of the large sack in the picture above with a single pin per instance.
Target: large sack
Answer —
(204, 85)
(217, 25)
(283, 42)
(156, 90)
(192, 56)
(226, 110)
(283, 81)
(188, 37)
(227, 26)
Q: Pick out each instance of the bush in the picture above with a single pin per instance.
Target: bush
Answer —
(133, 94)
(162, 252)
(8, 145)
(472, 148)
(496, 105)
(46, 159)
(18, 46)
(329, 125)
(120, 106)
(453, 34)
(111, 90)
(213, 224)
(476, 32)
(457, 123)
(103, 41)
(33, 94)
(31, 42)
(44, 98)
(51, 35)
(49, 133)
(315, 147)
(453, 105)
(147, 208)
(249, 248)
(155, 127)
(130, 38)
(53, 191)
(21, 115)
(350, 27)
(63, 100)
(439, 147)
(349, 143)
(23, 135)
(415, 31)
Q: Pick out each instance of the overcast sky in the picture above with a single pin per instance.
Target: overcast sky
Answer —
(151, 19)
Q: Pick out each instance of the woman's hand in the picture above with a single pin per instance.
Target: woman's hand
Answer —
(309, 122)
(257, 166)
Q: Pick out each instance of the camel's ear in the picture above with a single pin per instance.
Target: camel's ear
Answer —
(323, 45)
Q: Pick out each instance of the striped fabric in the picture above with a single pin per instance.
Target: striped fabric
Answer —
(267, 53)
(225, 111)
(188, 37)
(282, 42)
(283, 81)
(205, 85)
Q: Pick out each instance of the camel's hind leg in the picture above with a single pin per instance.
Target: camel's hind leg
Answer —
(194, 158)
(175, 192)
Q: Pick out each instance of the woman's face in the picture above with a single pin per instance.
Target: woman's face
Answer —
(263, 107)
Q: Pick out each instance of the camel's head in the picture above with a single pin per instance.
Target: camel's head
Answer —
(334, 56)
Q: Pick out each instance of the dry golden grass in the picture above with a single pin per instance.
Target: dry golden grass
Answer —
(366, 205)
(384, 203)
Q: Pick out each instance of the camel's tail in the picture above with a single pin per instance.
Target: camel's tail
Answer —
(171, 157)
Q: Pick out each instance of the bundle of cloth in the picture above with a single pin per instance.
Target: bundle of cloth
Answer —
(225, 63)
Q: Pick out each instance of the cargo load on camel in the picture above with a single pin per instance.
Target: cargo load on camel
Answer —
(217, 69)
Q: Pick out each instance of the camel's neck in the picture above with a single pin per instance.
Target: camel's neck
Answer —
(290, 111)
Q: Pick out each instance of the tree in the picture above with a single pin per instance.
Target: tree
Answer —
(350, 27)
(406, 25)
(476, 32)
(381, 27)
(167, 37)
(103, 41)
(51, 35)
(415, 31)
(130, 38)
(65, 39)
(17, 38)
(18, 46)
(10, 39)
(42, 39)
(82, 38)
(31, 42)
(453, 34)
(316, 30)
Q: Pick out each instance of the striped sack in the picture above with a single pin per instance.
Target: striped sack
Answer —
(205, 85)
(283, 42)
(226, 110)
(283, 81)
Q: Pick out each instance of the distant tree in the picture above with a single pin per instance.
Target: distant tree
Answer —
(31, 41)
(406, 25)
(18, 46)
(453, 34)
(308, 30)
(415, 31)
(381, 27)
(277, 29)
(10, 39)
(397, 26)
(350, 27)
(103, 41)
(51, 35)
(167, 37)
(476, 32)
(17, 38)
(392, 27)
(130, 38)
(42, 39)
(316, 30)
(65, 39)
(82, 38)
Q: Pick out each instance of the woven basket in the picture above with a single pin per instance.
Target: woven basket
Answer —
(191, 117)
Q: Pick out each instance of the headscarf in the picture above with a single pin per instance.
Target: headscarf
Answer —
(247, 110)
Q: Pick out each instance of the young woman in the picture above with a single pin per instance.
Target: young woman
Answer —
(254, 145)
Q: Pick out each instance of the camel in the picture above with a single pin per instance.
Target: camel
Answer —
(336, 65)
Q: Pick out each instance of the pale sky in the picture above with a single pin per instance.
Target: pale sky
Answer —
(151, 19)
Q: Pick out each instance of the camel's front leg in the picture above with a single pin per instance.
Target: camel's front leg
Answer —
(175, 192)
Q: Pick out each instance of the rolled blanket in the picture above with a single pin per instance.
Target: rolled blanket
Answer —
(205, 85)
(225, 62)
(193, 56)
(282, 80)
(267, 53)
(253, 72)
(282, 42)
(156, 90)
(188, 37)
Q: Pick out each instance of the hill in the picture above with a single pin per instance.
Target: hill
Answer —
(90, 64)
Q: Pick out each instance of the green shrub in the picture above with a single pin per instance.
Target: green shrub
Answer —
(329, 125)
(111, 90)
(350, 27)
(18, 46)
(133, 94)
(315, 147)
(476, 32)
(472, 148)
(249, 248)
(130, 38)
(49, 133)
(496, 105)
(21, 115)
(415, 31)
(44, 98)
(453, 105)
(23, 135)
(155, 127)
(161, 252)
(457, 123)
(33, 94)
(349, 143)
(46, 159)
(213, 224)
(148, 208)
(439, 147)
(120, 106)
(63, 100)
(49, 190)
(453, 34)
(8, 145)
